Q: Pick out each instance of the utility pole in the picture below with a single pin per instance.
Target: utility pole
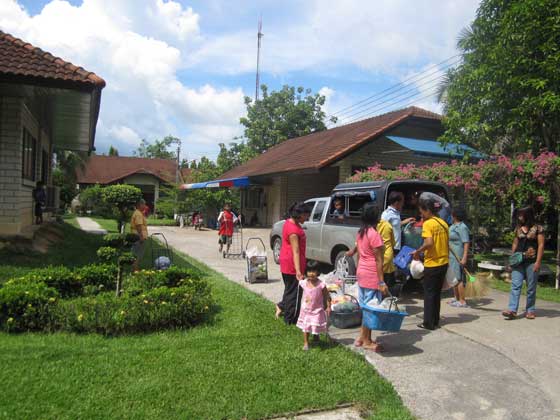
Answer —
(259, 36)
(177, 171)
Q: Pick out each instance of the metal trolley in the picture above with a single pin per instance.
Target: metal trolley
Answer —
(236, 249)
(160, 248)
(257, 265)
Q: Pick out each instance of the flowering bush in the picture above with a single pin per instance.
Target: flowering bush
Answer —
(25, 305)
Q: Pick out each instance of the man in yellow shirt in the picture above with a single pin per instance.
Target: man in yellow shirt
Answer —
(435, 233)
(139, 226)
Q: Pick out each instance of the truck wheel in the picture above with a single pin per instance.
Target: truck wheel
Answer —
(276, 245)
(345, 266)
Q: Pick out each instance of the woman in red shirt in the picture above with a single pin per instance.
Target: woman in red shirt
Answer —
(292, 261)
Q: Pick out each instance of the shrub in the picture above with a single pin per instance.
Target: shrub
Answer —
(25, 305)
(117, 240)
(144, 280)
(159, 308)
(107, 253)
(58, 277)
(97, 278)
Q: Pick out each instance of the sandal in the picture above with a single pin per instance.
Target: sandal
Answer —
(358, 343)
(375, 347)
(509, 314)
(452, 301)
(305, 347)
(530, 315)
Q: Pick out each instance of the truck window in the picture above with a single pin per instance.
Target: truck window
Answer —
(356, 203)
(318, 212)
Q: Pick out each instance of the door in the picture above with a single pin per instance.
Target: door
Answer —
(313, 229)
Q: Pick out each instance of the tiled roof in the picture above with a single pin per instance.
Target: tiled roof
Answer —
(109, 169)
(318, 150)
(19, 59)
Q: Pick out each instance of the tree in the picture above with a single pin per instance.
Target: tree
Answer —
(159, 149)
(288, 113)
(121, 198)
(113, 151)
(505, 96)
(64, 174)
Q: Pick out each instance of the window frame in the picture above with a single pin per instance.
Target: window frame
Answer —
(29, 156)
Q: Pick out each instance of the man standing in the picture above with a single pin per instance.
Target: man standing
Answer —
(40, 198)
(139, 226)
(392, 214)
(226, 219)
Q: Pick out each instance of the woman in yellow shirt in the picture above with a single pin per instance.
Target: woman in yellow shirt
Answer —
(435, 233)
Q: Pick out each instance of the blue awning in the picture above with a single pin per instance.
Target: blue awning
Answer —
(433, 147)
(219, 183)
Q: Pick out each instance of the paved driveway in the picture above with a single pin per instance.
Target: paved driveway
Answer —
(477, 366)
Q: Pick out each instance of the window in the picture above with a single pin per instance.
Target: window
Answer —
(356, 203)
(318, 212)
(28, 156)
(253, 198)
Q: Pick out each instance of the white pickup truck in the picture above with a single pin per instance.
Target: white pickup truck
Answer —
(329, 236)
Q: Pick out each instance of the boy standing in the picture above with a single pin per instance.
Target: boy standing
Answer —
(226, 219)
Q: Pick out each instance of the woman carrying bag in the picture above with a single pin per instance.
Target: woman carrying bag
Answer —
(527, 249)
(436, 261)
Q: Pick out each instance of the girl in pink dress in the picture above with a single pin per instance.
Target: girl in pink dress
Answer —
(313, 316)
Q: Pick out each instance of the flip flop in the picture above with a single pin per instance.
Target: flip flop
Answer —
(375, 347)
(305, 347)
(358, 343)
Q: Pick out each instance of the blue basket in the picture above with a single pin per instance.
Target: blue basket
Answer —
(382, 319)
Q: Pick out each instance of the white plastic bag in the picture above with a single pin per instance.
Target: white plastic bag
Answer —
(255, 252)
(416, 269)
(450, 279)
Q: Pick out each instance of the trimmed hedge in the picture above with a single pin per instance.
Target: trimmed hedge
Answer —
(57, 299)
(26, 305)
(156, 309)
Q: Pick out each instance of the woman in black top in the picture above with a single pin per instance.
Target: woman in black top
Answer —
(529, 239)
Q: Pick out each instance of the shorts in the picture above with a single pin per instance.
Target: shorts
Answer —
(365, 295)
(138, 249)
(225, 240)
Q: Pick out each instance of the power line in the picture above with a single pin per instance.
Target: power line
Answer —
(428, 84)
(399, 105)
(417, 77)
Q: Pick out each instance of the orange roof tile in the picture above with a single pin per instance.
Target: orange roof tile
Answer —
(19, 59)
(320, 149)
(108, 169)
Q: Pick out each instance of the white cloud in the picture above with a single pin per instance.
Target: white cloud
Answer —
(137, 50)
(382, 36)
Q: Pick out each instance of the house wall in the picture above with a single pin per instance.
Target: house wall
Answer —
(146, 183)
(16, 201)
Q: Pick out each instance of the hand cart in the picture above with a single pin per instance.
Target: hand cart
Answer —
(257, 265)
(161, 255)
(236, 248)
(343, 275)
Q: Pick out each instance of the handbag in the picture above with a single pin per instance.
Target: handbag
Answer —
(515, 259)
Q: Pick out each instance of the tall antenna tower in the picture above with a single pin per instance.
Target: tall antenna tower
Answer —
(259, 36)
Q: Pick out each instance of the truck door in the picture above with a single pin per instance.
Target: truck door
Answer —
(313, 229)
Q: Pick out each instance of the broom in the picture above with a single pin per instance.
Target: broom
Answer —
(477, 285)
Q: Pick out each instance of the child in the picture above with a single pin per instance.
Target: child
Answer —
(312, 315)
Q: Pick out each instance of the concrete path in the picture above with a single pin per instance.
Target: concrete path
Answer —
(477, 366)
(90, 225)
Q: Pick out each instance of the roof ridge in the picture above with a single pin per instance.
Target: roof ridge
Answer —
(91, 76)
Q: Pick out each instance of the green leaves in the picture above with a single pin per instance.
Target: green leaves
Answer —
(158, 149)
(505, 97)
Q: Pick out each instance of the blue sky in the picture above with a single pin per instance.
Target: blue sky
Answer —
(183, 67)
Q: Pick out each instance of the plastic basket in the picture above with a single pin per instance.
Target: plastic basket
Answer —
(346, 319)
(382, 319)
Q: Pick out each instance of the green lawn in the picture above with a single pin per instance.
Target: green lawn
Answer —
(545, 290)
(245, 364)
(152, 221)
